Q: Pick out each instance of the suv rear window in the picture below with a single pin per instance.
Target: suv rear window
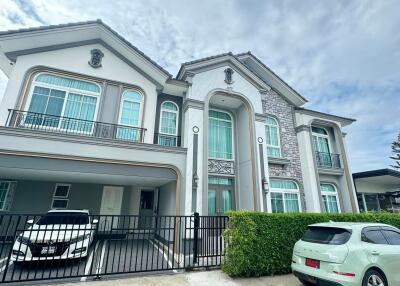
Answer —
(327, 235)
(64, 218)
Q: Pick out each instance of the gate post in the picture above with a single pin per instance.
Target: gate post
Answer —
(196, 236)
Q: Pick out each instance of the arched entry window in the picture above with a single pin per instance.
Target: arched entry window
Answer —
(220, 134)
(62, 102)
(272, 137)
(330, 198)
(168, 130)
(285, 197)
(129, 116)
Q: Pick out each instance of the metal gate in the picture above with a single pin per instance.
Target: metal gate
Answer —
(104, 245)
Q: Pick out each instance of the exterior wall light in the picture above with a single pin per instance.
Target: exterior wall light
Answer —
(265, 184)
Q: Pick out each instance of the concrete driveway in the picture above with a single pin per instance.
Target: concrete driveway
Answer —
(196, 278)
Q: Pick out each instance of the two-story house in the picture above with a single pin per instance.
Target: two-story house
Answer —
(88, 121)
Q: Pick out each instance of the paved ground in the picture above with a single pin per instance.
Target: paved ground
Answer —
(197, 278)
(104, 257)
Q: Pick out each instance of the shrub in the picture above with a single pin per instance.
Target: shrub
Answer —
(261, 243)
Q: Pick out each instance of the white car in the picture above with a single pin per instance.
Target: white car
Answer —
(59, 234)
(348, 254)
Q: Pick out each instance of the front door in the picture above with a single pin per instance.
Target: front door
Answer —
(221, 193)
(146, 210)
(110, 207)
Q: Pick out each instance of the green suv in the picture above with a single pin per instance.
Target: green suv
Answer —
(348, 254)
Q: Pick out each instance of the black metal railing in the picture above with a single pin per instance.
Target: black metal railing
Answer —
(167, 140)
(68, 125)
(32, 248)
(327, 160)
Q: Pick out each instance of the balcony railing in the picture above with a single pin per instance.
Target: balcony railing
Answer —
(327, 160)
(167, 140)
(67, 125)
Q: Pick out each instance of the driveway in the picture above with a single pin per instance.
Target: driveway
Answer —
(105, 256)
(196, 278)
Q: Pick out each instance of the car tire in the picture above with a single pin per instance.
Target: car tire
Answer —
(374, 275)
(306, 283)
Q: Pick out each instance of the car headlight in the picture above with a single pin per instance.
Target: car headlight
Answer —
(80, 238)
(23, 240)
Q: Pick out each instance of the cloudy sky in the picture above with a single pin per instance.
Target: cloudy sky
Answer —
(343, 56)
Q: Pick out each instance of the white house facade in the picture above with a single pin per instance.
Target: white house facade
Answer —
(88, 121)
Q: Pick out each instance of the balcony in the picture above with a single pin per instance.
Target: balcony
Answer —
(67, 125)
(167, 140)
(327, 160)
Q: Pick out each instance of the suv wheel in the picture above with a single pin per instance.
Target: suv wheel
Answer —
(374, 278)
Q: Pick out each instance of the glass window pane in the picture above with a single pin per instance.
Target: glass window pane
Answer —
(328, 188)
(226, 201)
(330, 203)
(212, 202)
(60, 203)
(318, 130)
(392, 236)
(283, 184)
(372, 202)
(219, 135)
(373, 236)
(277, 202)
(169, 106)
(4, 186)
(68, 82)
(291, 203)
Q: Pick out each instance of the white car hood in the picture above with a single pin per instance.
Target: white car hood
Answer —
(56, 232)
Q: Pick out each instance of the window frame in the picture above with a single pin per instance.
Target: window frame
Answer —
(61, 198)
(121, 105)
(67, 91)
(325, 136)
(279, 146)
(233, 133)
(7, 193)
(172, 111)
(325, 193)
(285, 191)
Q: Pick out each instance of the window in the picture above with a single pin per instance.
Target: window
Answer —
(168, 130)
(373, 235)
(54, 96)
(129, 116)
(392, 236)
(326, 235)
(284, 196)
(220, 134)
(61, 196)
(330, 198)
(6, 188)
(320, 139)
(272, 137)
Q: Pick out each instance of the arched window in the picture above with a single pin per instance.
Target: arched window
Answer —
(168, 130)
(129, 116)
(320, 139)
(272, 137)
(220, 134)
(62, 102)
(330, 198)
(285, 197)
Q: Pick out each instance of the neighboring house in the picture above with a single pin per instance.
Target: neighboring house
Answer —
(89, 121)
(378, 190)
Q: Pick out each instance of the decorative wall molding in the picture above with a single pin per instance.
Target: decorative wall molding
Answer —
(221, 167)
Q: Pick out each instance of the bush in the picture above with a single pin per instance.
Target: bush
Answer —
(261, 243)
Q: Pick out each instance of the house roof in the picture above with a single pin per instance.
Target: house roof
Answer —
(68, 25)
(343, 120)
(270, 71)
(377, 173)
(292, 96)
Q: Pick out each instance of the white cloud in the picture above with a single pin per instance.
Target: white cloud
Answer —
(341, 55)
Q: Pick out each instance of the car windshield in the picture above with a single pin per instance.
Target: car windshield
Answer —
(64, 218)
(327, 235)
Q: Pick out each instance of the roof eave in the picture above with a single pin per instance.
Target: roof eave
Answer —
(343, 120)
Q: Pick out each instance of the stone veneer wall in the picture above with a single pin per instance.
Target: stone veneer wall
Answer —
(274, 104)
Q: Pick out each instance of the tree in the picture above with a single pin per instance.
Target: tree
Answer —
(396, 153)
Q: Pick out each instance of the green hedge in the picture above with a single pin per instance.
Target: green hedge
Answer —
(261, 243)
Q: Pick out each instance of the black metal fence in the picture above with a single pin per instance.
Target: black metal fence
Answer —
(60, 124)
(34, 247)
(328, 160)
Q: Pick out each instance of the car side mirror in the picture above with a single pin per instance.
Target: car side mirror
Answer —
(30, 221)
(95, 221)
